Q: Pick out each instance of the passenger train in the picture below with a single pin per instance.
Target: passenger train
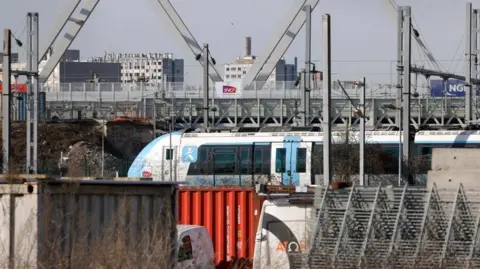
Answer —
(244, 158)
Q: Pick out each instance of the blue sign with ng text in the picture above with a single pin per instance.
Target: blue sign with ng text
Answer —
(455, 88)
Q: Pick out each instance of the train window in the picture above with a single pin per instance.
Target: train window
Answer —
(280, 161)
(168, 154)
(224, 160)
(301, 160)
(202, 162)
(392, 150)
(258, 160)
(244, 161)
(317, 159)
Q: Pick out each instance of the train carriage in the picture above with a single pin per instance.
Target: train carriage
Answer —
(248, 158)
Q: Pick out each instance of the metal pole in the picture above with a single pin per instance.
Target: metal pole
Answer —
(468, 64)
(142, 114)
(36, 88)
(362, 133)
(103, 145)
(398, 101)
(474, 61)
(205, 84)
(30, 94)
(170, 135)
(170, 147)
(155, 96)
(400, 153)
(407, 56)
(445, 101)
(308, 62)
(327, 95)
(6, 103)
(303, 98)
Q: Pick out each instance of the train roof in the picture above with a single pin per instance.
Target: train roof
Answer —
(336, 133)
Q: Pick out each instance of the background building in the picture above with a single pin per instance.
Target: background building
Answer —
(237, 70)
(152, 68)
(15, 66)
(72, 70)
(13, 55)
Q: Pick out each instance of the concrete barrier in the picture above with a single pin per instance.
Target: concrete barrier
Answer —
(455, 158)
(451, 166)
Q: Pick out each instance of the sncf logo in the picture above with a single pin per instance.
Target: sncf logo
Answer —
(146, 174)
(229, 89)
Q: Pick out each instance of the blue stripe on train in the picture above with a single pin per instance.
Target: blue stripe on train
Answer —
(291, 144)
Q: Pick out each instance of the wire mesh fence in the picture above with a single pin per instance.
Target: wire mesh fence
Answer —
(394, 227)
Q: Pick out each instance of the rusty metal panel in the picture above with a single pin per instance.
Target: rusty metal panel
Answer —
(230, 214)
(75, 223)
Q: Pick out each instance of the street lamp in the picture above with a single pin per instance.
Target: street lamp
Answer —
(400, 151)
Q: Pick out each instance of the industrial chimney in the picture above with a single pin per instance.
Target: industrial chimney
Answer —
(247, 47)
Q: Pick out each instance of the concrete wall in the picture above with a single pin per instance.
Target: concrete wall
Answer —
(451, 166)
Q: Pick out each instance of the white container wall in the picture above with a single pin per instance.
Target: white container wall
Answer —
(87, 224)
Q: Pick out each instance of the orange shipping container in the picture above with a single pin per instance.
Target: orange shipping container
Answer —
(230, 215)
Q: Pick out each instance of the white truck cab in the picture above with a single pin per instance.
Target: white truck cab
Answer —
(194, 248)
(283, 234)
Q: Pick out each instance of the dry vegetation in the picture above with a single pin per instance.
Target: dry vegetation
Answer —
(53, 139)
(378, 162)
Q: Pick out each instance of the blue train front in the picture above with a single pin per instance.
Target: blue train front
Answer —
(289, 158)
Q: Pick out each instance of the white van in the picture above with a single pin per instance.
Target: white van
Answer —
(194, 248)
(283, 231)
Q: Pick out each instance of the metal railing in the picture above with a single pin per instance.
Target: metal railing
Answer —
(137, 91)
(403, 227)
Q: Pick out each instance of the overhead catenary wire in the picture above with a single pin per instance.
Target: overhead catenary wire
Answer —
(462, 40)
(418, 38)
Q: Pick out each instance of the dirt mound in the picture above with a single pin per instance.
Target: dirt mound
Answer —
(85, 159)
(53, 139)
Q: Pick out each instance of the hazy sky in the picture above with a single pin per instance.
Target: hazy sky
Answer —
(363, 31)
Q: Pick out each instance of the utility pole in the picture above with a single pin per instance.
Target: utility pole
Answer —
(142, 81)
(303, 97)
(407, 56)
(308, 62)
(155, 96)
(363, 182)
(103, 146)
(6, 102)
(398, 101)
(475, 63)
(327, 96)
(206, 63)
(94, 83)
(32, 95)
(468, 64)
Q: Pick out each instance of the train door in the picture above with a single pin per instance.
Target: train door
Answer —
(169, 163)
(289, 163)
